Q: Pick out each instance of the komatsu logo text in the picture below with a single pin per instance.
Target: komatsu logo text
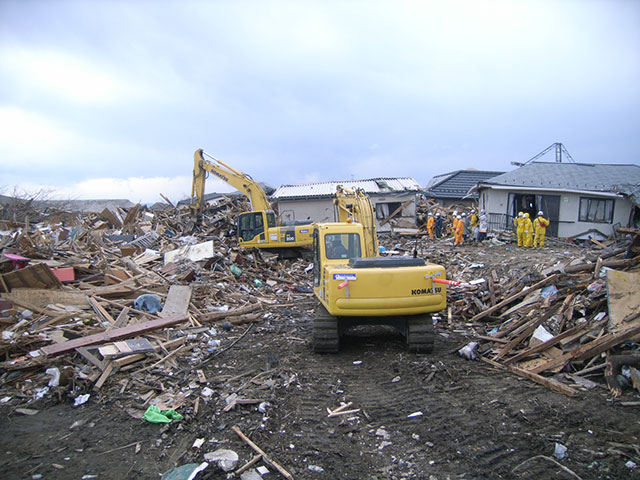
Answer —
(425, 291)
(226, 179)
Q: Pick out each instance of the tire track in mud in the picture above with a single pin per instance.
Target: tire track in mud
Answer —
(449, 414)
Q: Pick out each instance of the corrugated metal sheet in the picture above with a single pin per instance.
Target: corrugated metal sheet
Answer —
(570, 176)
(328, 189)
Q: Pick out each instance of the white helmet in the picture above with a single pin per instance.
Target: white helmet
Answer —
(540, 213)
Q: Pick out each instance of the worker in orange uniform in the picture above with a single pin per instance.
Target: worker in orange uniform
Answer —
(430, 223)
(527, 231)
(458, 231)
(519, 224)
(540, 225)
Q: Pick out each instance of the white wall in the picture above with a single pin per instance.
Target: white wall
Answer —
(497, 201)
(570, 213)
(323, 210)
(319, 211)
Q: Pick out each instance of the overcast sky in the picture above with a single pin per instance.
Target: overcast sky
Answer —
(109, 99)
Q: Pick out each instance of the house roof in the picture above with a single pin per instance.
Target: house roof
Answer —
(595, 177)
(328, 189)
(456, 184)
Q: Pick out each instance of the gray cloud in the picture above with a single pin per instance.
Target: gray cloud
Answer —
(289, 91)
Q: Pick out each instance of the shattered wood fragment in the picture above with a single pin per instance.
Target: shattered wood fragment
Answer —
(614, 366)
(215, 316)
(594, 347)
(33, 276)
(510, 299)
(100, 311)
(266, 459)
(543, 346)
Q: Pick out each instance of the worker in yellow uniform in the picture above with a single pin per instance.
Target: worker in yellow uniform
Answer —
(430, 223)
(458, 231)
(540, 225)
(528, 231)
(519, 224)
(474, 218)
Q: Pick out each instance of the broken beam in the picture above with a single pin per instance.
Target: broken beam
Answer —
(111, 335)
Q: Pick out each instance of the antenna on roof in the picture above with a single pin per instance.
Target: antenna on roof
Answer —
(559, 147)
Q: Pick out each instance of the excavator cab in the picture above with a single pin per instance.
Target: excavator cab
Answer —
(252, 225)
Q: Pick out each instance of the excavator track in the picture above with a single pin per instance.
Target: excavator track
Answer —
(326, 332)
(420, 334)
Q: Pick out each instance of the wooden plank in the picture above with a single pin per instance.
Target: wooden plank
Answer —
(131, 214)
(100, 311)
(111, 217)
(43, 297)
(115, 334)
(600, 244)
(396, 212)
(530, 326)
(84, 351)
(622, 298)
(122, 320)
(510, 299)
(492, 292)
(103, 378)
(547, 382)
(214, 316)
(177, 301)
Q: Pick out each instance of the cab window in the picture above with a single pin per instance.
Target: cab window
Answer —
(250, 225)
(342, 245)
(271, 219)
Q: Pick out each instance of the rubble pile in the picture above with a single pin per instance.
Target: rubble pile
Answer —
(119, 297)
(565, 316)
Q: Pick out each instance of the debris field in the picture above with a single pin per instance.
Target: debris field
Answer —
(134, 348)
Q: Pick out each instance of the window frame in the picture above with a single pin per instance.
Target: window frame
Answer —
(588, 210)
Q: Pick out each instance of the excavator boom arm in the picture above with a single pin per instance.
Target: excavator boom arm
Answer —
(355, 206)
(243, 182)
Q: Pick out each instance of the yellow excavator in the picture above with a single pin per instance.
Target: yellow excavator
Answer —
(257, 228)
(354, 285)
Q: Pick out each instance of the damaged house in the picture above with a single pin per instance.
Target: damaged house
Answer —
(394, 201)
(581, 200)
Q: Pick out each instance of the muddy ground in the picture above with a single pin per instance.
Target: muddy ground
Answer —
(433, 416)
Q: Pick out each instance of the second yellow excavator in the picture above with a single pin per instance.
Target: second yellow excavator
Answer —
(257, 228)
(354, 285)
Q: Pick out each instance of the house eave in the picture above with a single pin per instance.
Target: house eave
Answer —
(540, 189)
